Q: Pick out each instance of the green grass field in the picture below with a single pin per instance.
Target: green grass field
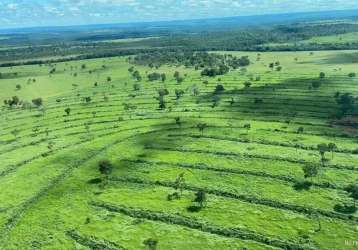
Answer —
(51, 197)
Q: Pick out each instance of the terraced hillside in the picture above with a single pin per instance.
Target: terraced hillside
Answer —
(217, 168)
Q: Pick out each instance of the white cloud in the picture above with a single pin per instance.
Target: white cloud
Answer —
(54, 12)
(12, 6)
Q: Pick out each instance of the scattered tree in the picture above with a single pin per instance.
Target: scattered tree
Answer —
(179, 183)
(310, 171)
(136, 87)
(300, 130)
(151, 244)
(219, 89)
(352, 189)
(179, 93)
(247, 126)
(322, 75)
(37, 102)
(200, 198)
(201, 127)
(332, 147)
(177, 121)
(346, 103)
(68, 111)
(164, 77)
(105, 167)
(87, 99)
(14, 101)
(162, 93)
(352, 74)
(247, 84)
(322, 149)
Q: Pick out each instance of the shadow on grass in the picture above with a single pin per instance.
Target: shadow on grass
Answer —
(340, 58)
(284, 105)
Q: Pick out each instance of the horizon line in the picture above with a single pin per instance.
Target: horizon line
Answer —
(169, 20)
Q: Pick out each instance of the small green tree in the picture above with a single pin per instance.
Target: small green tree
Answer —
(162, 93)
(179, 93)
(310, 171)
(353, 190)
(322, 75)
(247, 126)
(67, 111)
(136, 87)
(322, 149)
(300, 130)
(346, 103)
(176, 74)
(201, 127)
(232, 101)
(332, 147)
(87, 99)
(105, 167)
(164, 77)
(179, 183)
(200, 198)
(151, 244)
(177, 121)
(247, 84)
(37, 102)
(354, 195)
(352, 74)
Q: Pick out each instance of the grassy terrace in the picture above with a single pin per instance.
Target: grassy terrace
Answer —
(51, 197)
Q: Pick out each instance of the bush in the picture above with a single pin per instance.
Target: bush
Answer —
(105, 167)
(219, 88)
(151, 243)
(345, 208)
(173, 196)
(95, 181)
(352, 74)
(37, 102)
(302, 185)
(193, 209)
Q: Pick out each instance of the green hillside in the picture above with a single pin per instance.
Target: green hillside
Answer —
(217, 167)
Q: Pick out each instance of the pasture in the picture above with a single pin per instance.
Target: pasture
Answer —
(218, 170)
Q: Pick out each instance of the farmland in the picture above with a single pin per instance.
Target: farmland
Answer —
(219, 167)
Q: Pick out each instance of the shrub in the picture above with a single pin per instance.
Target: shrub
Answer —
(151, 243)
(302, 185)
(345, 208)
(173, 196)
(105, 167)
(219, 88)
(352, 74)
(37, 102)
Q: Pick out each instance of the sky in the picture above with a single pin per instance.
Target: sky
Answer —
(30, 13)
